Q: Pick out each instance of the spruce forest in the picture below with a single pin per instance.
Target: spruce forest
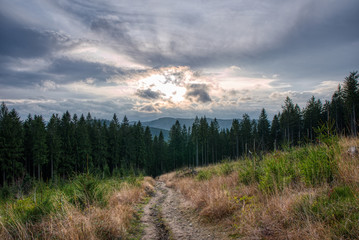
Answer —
(69, 144)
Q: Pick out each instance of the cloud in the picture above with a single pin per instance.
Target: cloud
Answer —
(215, 57)
(148, 109)
(199, 92)
(149, 94)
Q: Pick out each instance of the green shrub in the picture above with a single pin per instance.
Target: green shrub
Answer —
(248, 173)
(225, 168)
(277, 172)
(204, 174)
(318, 165)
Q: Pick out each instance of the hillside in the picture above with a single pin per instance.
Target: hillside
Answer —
(308, 192)
(302, 193)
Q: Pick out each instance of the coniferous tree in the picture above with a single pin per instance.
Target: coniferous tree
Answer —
(54, 143)
(275, 132)
(203, 139)
(11, 144)
(124, 146)
(337, 110)
(312, 117)
(195, 137)
(351, 99)
(39, 146)
(83, 144)
(234, 132)
(114, 143)
(254, 135)
(29, 163)
(66, 165)
(263, 131)
(175, 144)
(149, 161)
(246, 132)
(213, 138)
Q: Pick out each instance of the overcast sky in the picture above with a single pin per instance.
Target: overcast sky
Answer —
(150, 59)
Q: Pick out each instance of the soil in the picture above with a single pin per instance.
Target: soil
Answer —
(167, 216)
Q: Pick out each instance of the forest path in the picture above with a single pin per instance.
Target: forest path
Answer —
(165, 217)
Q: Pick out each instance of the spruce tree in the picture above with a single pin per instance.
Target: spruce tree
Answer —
(263, 131)
(351, 99)
(54, 143)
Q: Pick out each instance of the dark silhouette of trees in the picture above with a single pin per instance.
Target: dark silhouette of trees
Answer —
(71, 145)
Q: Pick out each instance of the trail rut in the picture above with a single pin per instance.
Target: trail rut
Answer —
(165, 218)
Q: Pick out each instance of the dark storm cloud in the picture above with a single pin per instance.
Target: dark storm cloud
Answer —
(148, 94)
(199, 92)
(79, 70)
(19, 41)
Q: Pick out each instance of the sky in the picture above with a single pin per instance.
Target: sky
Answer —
(149, 59)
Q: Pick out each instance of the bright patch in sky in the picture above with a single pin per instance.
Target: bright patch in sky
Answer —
(165, 86)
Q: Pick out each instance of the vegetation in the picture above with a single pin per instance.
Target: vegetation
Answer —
(71, 145)
(314, 179)
(308, 192)
(86, 207)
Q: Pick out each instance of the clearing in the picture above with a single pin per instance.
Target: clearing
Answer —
(168, 216)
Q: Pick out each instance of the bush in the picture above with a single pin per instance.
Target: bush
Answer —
(318, 165)
(204, 174)
(248, 173)
(278, 172)
(225, 168)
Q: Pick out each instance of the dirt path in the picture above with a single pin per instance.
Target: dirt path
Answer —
(165, 218)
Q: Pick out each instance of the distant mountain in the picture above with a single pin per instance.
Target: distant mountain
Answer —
(167, 122)
(156, 132)
(164, 124)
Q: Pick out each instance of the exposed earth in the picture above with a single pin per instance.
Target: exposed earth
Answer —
(167, 216)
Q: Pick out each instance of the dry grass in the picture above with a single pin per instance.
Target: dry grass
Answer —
(348, 163)
(94, 222)
(253, 214)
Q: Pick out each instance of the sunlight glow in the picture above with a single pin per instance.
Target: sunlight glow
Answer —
(170, 90)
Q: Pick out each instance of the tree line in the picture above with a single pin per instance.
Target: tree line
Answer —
(71, 144)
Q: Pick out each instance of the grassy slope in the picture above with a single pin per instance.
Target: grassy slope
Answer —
(303, 193)
(84, 208)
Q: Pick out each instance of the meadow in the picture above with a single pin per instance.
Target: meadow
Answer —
(308, 192)
(84, 207)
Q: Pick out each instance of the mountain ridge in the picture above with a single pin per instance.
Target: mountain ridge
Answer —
(167, 122)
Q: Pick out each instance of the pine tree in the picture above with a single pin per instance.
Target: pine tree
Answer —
(39, 147)
(235, 129)
(203, 139)
(175, 144)
(213, 138)
(312, 116)
(337, 109)
(114, 143)
(275, 132)
(195, 137)
(66, 164)
(54, 143)
(149, 161)
(351, 99)
(11, 144)
(263, 131)
(246, 132)
(83, 144)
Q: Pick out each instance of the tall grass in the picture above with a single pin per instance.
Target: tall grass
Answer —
(86, 207)
(308, 192)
